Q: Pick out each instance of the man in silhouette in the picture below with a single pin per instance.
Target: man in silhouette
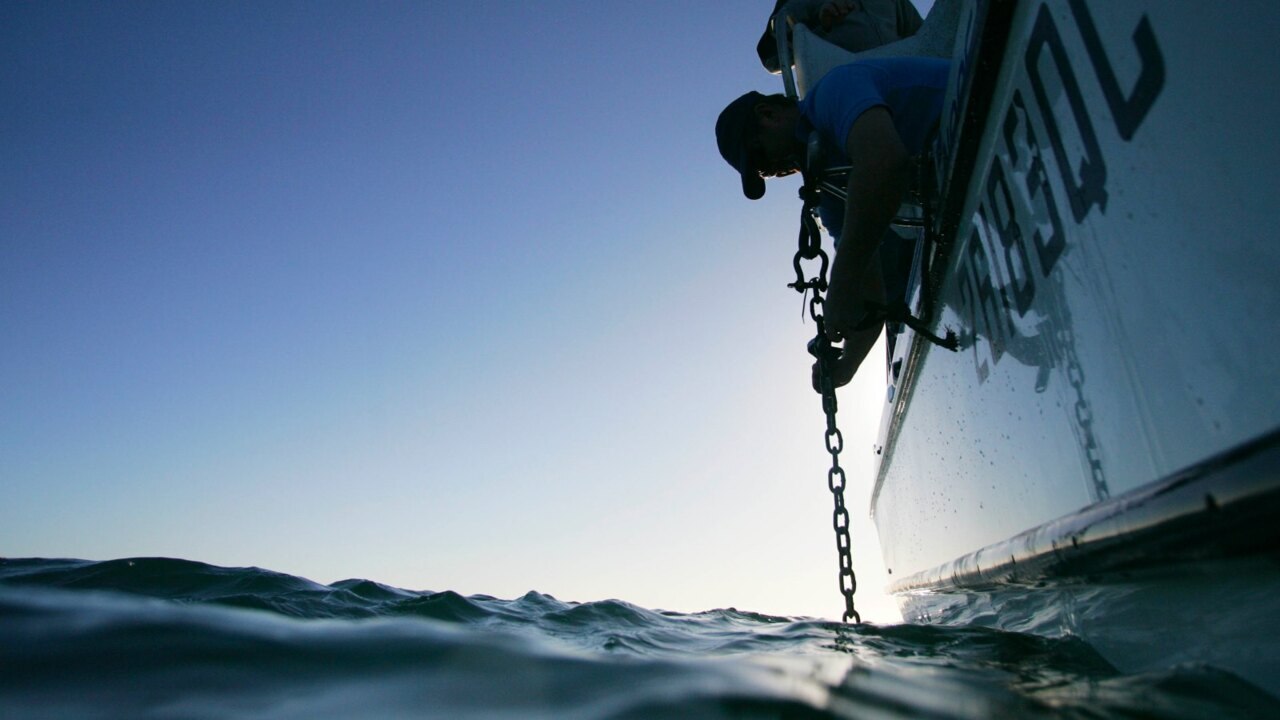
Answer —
(873, 115)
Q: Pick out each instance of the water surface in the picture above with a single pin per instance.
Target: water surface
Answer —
(165, 638)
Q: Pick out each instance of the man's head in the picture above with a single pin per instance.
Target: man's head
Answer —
(757, 137)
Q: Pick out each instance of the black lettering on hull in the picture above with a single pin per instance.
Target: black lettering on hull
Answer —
(1091, 188)
(1019, 224)
(1017, 264)
(1131, 111)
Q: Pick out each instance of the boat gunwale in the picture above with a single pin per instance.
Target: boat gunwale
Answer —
(1217, 508)
(987, 56)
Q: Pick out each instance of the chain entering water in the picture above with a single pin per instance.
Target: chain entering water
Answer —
(820, 347)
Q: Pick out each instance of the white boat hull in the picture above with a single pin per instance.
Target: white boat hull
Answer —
(1107, 173)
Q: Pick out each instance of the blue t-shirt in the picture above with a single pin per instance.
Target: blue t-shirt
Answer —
(911, 88)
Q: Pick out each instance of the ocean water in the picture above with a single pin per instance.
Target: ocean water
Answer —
(165, 638)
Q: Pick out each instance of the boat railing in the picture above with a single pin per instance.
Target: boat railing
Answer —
(783, 39)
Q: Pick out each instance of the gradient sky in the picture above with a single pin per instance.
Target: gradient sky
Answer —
(445, 295)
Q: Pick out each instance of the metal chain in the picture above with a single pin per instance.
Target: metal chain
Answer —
(835, 476)
(820, 347)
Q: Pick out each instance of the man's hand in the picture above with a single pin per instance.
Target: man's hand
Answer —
(845, 306)
(842, 312)
(841, 369)
(856, 347)
(833, 12)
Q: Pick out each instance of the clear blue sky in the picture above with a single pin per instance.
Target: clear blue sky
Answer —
(446, 295)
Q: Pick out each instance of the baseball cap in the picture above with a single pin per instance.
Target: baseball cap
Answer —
(734, 129)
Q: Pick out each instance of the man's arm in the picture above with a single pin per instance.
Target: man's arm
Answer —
(878, 177)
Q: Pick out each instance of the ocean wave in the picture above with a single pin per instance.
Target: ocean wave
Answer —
(163, 638)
